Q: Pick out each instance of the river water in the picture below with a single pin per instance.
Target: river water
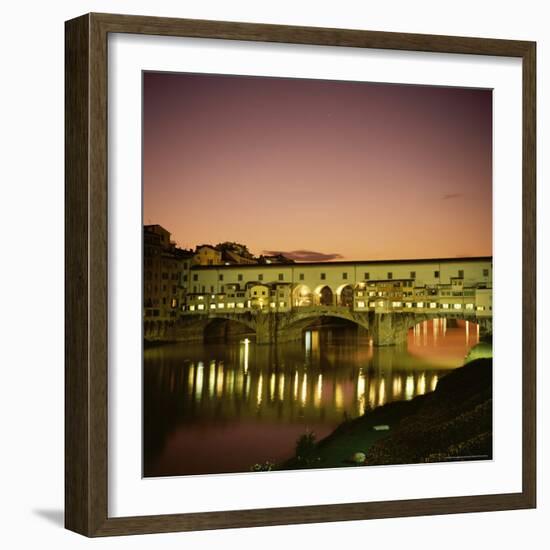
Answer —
(221, 407)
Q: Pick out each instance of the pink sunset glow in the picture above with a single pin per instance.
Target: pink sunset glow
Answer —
(341, 170)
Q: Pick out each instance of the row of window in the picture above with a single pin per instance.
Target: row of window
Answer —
(230, 305)
(422, 305)
(323, 276)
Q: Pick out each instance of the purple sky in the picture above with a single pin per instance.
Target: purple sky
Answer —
(327, 170)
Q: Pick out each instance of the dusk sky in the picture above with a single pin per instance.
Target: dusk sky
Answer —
(319, 170)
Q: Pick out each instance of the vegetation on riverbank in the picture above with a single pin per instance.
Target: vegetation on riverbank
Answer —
(454, 422)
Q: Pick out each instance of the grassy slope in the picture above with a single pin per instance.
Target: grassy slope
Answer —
(455, 420)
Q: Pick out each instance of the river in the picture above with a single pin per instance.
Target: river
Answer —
(220, 407)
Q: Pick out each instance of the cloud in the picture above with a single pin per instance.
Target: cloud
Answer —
(304, 255)
(451, 196)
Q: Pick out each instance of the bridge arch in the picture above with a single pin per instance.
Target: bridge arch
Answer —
(344, 294)
(324, 296)
(225, 328)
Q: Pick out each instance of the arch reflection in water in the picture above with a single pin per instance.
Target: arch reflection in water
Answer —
(223, 406)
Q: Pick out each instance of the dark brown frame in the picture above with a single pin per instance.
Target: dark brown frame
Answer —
(86, 274)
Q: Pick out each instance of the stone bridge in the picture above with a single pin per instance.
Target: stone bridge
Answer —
(386, 329)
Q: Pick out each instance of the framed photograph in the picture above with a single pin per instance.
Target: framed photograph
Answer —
(300, 274)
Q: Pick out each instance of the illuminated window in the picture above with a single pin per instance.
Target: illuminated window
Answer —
(282, 304)
(433, 305)
(445, 306)
(240, 305)
(191, 308)
(372, 304)
(221, 306)
(200, 297)
(480, 308)
(212, 306)
(360, 294)
(397, 304)
(231, 305)
(470, 306)
(200, 306)
(361, 304)
(420, 304)
(372, 293)
(457, 306)
(409, 304)
(272, 304)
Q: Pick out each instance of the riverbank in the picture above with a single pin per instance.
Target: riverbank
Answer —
(454, 422)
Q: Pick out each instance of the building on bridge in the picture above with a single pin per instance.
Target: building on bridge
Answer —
(455, 285)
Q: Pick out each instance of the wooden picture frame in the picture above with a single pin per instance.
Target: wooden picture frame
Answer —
(86, 283)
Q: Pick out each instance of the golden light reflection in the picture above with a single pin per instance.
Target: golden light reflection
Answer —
(199, 381)
(421, 385)
(246, 353)
(382, 392)
(397, 386)
(304, 389)
(281, 387)
(259, 390)
(272, 387)
(296, 386)
(338, 396)
(211, 378)
(191, 378)
(219, 381)
(409, 387)
(319, 391)
(372, 396)
(433, 383)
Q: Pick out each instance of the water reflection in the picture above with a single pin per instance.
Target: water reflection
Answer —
(221, 407)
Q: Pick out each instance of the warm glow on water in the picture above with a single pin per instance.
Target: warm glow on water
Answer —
(221, 407)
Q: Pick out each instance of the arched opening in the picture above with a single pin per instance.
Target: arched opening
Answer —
(226, 330)
(324, 296)
(345, 296)
(302, 296)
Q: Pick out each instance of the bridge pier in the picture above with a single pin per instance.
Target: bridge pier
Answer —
(388, 329)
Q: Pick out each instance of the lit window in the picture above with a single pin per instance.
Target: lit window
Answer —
(372, 293)
(231, 305)
(212, 306)
(282, 304)
(380, 303)
(409, 304)
(397, 304)
(272, 304)
(200, 306)
(480, 308)
(191, 308)
(200, 297)
(372, 304)
(445, 306)
(457, 306)
(470, 306)
(361, 304)
(360, 294)
(221, 306)
(433, 305)
(420, 304)
(240, 305)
